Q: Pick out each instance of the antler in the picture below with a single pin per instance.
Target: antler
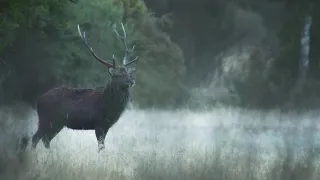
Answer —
(83, 36)
(124, 38)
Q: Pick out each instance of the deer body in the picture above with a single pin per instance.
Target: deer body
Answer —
(83, 109)
(95, 109)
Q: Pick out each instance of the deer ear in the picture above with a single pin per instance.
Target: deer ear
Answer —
(111, 71)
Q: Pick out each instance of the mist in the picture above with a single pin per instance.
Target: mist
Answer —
(222, 90)
(218, 143)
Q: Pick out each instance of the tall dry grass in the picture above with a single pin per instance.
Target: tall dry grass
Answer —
(222, 144)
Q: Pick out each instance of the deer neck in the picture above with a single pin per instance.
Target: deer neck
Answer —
(115, 99)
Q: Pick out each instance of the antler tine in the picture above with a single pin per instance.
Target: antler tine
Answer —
(83, 37)
(124, 39)
(113, 60)
(134, 60)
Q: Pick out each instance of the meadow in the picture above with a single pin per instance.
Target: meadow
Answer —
(220, 143)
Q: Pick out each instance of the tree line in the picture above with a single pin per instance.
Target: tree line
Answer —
(253, 48)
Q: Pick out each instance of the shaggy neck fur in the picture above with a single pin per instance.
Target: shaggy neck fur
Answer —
(115, 100)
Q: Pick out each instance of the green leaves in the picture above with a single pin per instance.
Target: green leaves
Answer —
(47, 50)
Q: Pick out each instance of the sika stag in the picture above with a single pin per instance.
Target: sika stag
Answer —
(85, 109)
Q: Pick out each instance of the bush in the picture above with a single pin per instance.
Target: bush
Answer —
(161, 68)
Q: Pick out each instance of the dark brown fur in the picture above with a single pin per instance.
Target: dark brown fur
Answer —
(85, 109)
(81, 109)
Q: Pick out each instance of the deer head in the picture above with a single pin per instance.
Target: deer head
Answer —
(120, 75)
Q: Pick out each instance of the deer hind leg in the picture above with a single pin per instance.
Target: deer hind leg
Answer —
(36, 138)
(46, 132)
(41, 129)
(50, 134)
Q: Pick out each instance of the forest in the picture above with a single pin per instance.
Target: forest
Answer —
(224, 89)
(238, 52)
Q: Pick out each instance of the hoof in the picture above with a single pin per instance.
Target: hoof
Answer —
(100, 147)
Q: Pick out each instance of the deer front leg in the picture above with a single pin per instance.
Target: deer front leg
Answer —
(101, 135)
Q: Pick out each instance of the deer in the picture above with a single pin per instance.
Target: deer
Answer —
(95, 109)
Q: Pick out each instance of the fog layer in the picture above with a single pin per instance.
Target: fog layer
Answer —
(149, 144)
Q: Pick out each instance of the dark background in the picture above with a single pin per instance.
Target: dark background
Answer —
(184, 46)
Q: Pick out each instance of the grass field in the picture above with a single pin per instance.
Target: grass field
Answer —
(220, 144)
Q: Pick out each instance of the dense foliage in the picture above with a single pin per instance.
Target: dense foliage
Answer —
(250, 48)
(41, 49)
(244, 52)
